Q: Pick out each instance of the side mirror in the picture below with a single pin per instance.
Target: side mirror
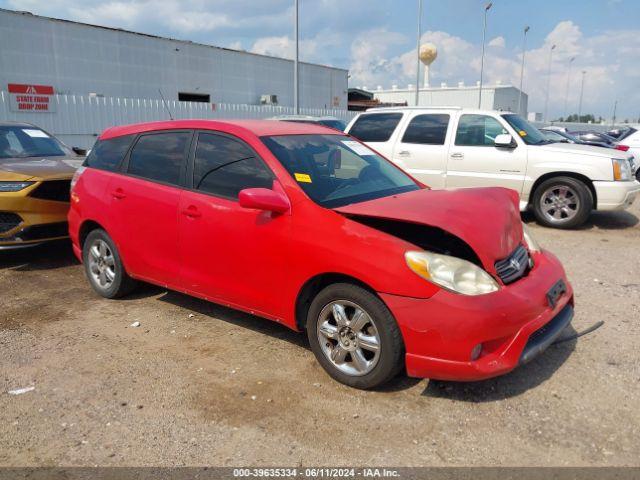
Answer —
(504, 140)
(79, 151)
(264, 199)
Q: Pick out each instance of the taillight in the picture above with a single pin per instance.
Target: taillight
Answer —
(76, 176)
(623, 148)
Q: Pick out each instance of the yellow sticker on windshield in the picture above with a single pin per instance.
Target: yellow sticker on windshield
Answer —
(303, 177)
(522, 133)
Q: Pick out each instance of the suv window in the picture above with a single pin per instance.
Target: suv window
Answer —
(107, 154)
(159, 156)
(478, 130)
(375, 127)
(224, 166)
(428, 129)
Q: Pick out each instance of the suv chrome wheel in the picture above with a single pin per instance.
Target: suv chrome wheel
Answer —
(559, 203)
(102, 264)
(348, 337)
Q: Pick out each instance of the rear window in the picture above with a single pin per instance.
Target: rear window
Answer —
(160, 156)
(428, 129)
(375, 127)
(107, 154)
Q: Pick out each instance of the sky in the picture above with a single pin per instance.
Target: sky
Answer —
(376, 40)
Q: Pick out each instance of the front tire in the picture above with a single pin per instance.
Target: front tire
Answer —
(103, 266)
(354, 336)
(562, 202)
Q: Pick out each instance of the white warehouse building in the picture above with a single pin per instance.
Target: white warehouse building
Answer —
(80, 59)
(494, 97)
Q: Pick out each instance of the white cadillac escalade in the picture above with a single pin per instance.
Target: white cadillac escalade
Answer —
(448, 147)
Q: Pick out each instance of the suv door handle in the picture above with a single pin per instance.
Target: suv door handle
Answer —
(118, 194)
(404, 153)
(192, 212)
(457, 155)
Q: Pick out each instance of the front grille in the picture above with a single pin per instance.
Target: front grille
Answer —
(57, 190)
(8, 221)
(513, 267)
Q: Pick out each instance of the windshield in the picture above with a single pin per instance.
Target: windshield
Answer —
(28, 141)
(630, 131)
(529, 134)
(335, 170)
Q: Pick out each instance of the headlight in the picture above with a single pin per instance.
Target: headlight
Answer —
(451, 273)
(14, 186)
(531, 242)
(621, 169)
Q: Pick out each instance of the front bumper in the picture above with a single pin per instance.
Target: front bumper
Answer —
(441, 332)
(616, 195)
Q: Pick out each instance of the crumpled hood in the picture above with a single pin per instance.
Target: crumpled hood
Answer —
(44, 168)
(487, 219)
(578, 149)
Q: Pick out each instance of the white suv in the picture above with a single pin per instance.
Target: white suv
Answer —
(449, 147)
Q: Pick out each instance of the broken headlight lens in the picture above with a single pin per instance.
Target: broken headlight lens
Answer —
(451, 273)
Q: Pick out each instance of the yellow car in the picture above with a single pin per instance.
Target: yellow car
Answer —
(35, 175)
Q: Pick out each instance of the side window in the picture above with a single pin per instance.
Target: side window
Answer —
(478, 130)
(375, 127)
(107, 154)
(159, 156)
(224, 166)
(428, 129)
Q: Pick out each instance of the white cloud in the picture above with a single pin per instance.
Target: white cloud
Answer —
(498, 42)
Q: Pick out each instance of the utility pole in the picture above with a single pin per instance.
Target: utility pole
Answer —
(566, 95)
(484, 35)
(418, 52)
(615, 107)
(546, 101)
(524, 49)
(296, 71)
(584, 72)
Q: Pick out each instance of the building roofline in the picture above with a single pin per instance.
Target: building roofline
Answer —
(448, 87)
(150, 35)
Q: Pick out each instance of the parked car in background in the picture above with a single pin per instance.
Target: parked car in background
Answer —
(35, 174)
(621, 132)
(590, 137)
(331, 122)
(565, 137)
(307, 226)
(631, 144)
(456, 147)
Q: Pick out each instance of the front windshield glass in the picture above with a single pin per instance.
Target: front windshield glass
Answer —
(335, 170)
(28, 141)
(529, 134)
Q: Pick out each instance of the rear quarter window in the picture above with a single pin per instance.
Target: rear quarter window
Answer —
(107, 154)
(375, 127)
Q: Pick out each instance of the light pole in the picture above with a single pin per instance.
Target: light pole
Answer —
(418, 52)
(546, 101)
(584, 73)
(524, 49)
(566, 95)
(484, 34)
(296, 72)
(613, 120)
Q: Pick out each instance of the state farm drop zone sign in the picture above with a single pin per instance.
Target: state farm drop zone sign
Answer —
(31, 98)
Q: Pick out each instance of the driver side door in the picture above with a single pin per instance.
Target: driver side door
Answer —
(475, 161)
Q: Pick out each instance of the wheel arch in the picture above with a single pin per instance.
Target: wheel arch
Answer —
(86, 228)
(583, 178)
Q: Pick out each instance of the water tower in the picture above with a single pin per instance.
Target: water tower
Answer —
(428, 53)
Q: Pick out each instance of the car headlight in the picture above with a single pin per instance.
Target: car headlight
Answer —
(621, 169)
(531, 242)
(451, 273)
(14, 186)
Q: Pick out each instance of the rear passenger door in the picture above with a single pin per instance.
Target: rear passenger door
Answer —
(377, 130)
(144, 205)
(230, 254)
(421, 150)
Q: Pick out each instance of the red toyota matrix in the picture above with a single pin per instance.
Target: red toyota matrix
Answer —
(308, 227)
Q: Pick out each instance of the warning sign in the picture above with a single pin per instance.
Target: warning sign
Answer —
(31, 98)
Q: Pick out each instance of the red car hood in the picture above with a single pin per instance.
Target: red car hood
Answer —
(487, 219)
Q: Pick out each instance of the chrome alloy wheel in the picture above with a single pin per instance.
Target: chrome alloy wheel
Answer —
(559, 203)
(102, 264)
(348, 337)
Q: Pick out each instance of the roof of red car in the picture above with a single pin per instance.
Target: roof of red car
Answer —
(256, 127)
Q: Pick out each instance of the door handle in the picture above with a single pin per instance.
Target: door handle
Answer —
(404, 153)
(457, 155)
(191, 212)
(118, 194)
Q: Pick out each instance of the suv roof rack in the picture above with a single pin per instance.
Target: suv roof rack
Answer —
(432, 107)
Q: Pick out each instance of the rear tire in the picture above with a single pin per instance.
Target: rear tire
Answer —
(562, 202)
(103, 266)
(354, 336)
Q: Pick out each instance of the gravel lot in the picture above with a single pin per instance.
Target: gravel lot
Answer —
(198, 384)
